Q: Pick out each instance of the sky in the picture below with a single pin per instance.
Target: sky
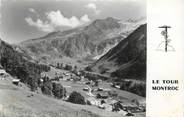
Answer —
(21, 20)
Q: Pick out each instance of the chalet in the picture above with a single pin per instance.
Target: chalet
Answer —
(101, 106)
(3, 74)
(142, 103)
(123, 112)
(2, 71)
(117, 86)
(131, 108)
(93, 101)
(88, 83)
(99, 81)
(117, 106)
(69, 79)
(16, 81)
(102, 96)
(66, 74)
(82, 78)
(108, 107)
(100, 89)
(76, 78)
(85, 89)
(129, 114)
(107, 89)
(41, 80)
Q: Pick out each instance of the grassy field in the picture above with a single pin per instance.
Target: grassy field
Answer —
(78, 86)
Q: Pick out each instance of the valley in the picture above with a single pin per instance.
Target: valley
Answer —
(98, 70)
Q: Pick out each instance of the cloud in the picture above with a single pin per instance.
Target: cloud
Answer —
(85, 18)
(93, 7)
(32, 10)
(56, 20)
(43, 26)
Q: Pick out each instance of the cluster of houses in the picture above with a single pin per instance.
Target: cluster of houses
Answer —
(98, 96)
(110, 104)
(105, 99)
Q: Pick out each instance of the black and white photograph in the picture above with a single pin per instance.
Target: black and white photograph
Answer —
(73, 58)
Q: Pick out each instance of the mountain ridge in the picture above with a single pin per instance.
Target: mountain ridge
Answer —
(127, 59)
(89, 41)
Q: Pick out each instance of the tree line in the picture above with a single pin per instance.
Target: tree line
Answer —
(19, 65)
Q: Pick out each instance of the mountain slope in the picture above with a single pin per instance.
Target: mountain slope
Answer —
(127, 60)
(16, 101)
(89, 41)
(20, 65)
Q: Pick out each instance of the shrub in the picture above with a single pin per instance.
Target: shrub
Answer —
(47, 88)
(58, 90)
(98, 96)
(33, 83)
(59, 65)
(88, 102)
(68, 67)
(76, 98)
(88, 69)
